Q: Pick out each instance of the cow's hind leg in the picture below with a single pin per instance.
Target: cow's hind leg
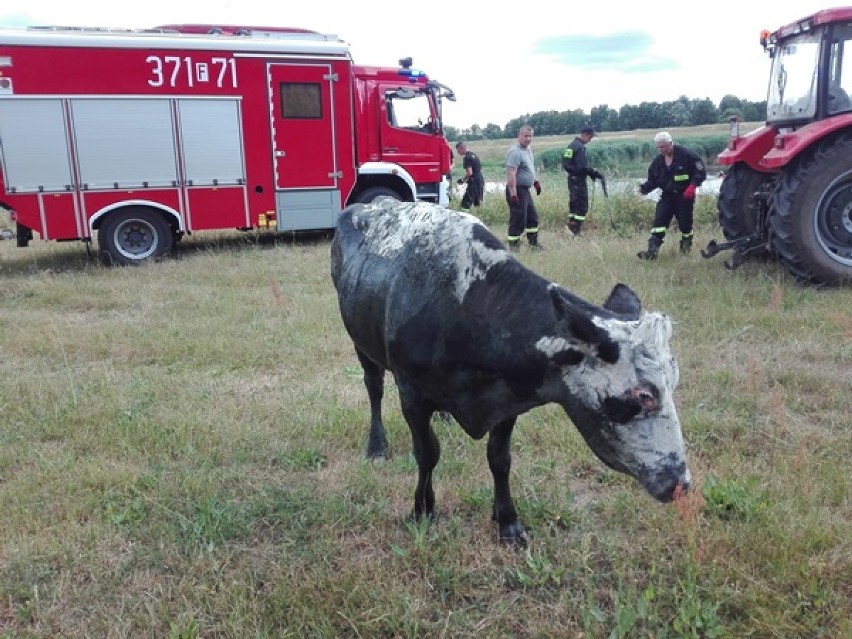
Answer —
(418, 413)
(374, 380)
(500, 461)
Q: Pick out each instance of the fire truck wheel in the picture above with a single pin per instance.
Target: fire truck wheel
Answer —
(738, 205)
(375, 192)
(812, 224)
(133, 235)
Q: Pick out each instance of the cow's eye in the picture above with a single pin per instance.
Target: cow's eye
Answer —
(621, 410)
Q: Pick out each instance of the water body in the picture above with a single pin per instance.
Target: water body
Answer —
(710, 187)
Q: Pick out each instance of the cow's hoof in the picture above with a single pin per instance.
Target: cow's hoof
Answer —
(377, 450)
(514, 535)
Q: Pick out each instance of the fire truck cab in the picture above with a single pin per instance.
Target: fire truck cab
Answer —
(140, 136)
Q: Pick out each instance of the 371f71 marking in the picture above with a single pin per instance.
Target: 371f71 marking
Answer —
(172, 71)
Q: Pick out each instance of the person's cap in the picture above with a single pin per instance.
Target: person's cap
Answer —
(588, 129)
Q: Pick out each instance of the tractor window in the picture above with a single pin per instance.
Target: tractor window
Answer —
(793, 83)
(840, 75)
(409, 109)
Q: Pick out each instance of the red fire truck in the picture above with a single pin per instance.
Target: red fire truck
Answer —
(142, 136)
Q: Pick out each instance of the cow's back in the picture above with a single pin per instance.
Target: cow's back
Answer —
(396, 265)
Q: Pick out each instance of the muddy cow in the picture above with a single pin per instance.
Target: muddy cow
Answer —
(432, 296)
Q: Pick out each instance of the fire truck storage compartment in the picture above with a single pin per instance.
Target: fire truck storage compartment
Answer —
(34, 145)
(308, 209)
(212, 143)
(124, 143)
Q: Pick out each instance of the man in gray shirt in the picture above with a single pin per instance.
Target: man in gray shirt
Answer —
(520, 178)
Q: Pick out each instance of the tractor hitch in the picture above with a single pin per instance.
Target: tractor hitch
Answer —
(742, 247)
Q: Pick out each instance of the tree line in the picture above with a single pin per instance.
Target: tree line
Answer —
(647, 115)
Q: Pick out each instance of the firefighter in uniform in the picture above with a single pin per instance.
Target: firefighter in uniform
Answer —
(520, 178)
(574, 162)
(472, 177)
(678, 171)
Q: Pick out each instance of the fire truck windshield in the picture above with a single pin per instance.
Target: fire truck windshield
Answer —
(793, 82)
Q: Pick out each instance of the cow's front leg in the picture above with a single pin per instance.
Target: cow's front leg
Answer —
(418, 413)
(374, 380)
(500, 461)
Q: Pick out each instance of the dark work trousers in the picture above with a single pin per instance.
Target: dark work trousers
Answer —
(522, 216)
(578, 196)
(672, 205)
(473, 192)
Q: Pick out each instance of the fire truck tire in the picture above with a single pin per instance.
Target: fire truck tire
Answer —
(812, 224)
(134, 235)
(739, 215)
(375, 192)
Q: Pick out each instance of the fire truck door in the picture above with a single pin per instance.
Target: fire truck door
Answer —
(303, 135)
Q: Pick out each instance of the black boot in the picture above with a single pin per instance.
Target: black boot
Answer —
(654, 244)
(573, 226)
(532, 238)
(685, 245)
(514, 245)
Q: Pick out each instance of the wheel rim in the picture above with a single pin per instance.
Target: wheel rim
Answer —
(833, 221)
(136, 239)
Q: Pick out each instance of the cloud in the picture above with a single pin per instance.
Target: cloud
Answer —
(626, 51)
(15, 20)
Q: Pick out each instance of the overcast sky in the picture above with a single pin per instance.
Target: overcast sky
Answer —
(503, 61)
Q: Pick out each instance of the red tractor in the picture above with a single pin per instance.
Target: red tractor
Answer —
(788, 191)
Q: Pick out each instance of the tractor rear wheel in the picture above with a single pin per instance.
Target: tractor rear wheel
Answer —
(739, 203)
(812, 221)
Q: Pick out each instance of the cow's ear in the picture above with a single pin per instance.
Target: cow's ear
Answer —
(581, 326)
(624, 301)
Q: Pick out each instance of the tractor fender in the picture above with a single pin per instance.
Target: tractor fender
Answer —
(749, 148)
(789, 144)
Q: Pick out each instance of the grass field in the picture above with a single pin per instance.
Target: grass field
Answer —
(181, 456)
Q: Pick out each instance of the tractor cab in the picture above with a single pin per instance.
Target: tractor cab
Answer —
(808, 80)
